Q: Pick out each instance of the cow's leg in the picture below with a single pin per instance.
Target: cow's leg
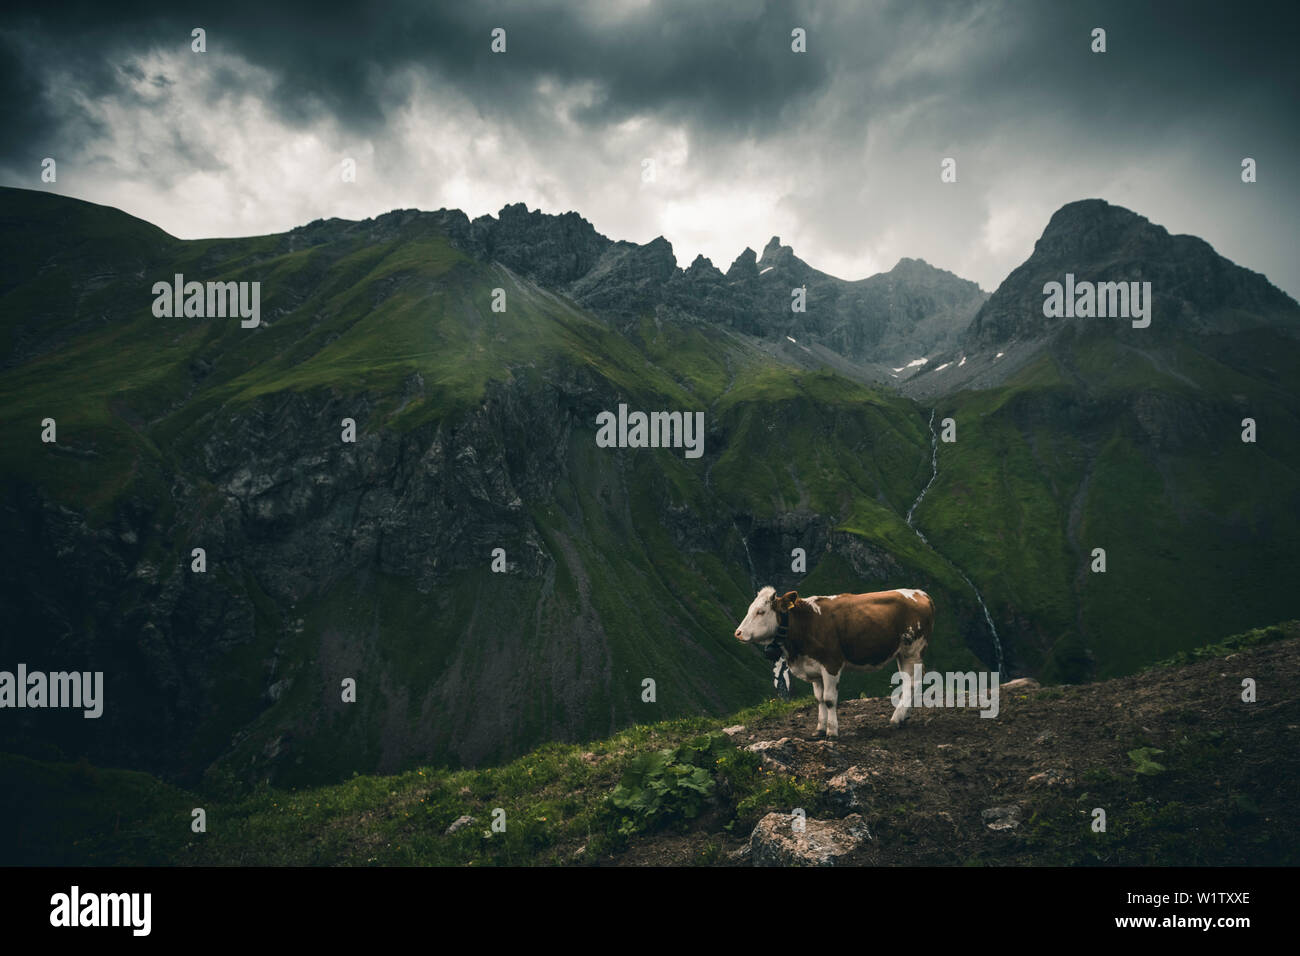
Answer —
(830, 695)
(906, 699)
(821, 706)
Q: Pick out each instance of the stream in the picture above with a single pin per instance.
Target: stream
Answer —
(934, 473)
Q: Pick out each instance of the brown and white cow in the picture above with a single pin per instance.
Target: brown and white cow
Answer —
(820, 636)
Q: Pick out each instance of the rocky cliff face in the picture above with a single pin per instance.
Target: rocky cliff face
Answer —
(241, 665)
(911, 310)
(285, 513)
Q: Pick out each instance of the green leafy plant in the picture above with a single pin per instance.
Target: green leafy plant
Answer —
(1143, 762)
(676, 783)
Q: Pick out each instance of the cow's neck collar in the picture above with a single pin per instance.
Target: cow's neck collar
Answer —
(778, 647)
(782, 640)
(782, 626)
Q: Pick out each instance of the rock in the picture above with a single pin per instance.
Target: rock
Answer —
(845, 789)
(733, 730)
(741, 855)
(1021, 684)
(1001, 818)
(458, 823)
(552, 249)
(1046, 737)
(1050, 778)
(776, 842)
(776, 754)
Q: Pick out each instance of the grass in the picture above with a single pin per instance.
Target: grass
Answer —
(1094, 445)
(1238, 642)
(554, 801)
(1191, 801)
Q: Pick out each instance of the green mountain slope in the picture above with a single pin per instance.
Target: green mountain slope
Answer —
(476, 431)
(372, 561)
(1112, 441)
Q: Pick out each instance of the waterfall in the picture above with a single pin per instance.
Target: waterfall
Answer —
(934, 473)
(753, 575)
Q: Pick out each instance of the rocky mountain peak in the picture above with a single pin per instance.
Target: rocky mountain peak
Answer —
(551, 249)
(1193, 288)
(745, 266)
(908, 267)
(775, 254)
(703, 267)
(1092, 228)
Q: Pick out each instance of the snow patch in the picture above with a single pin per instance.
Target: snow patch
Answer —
(962, 362)
(768, 269)
(912, 364)
(943, 366)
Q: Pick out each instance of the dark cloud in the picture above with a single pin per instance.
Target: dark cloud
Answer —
(725, 64)
(1006, 86)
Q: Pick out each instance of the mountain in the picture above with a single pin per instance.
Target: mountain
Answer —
(1082, 433)
(1196, 293)
(891, 317)
(328, 560)
(476, 429)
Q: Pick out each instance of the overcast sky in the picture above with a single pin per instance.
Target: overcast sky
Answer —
(836, 150)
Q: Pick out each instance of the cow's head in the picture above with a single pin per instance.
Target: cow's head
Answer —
(759, 625)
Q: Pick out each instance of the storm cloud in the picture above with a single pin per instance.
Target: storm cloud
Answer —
(837, 150)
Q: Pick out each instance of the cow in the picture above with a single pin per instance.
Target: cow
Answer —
(820, 636)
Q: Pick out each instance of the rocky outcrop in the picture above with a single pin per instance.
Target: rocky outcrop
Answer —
(790, 839)
(912, 310)
(850, 789)
(777, 755)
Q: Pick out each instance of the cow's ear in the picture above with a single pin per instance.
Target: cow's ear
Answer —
(787, 600)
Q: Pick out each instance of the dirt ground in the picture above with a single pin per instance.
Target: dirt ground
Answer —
(1225, 796)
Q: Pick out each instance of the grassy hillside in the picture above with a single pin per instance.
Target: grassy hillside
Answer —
(476, 429)
(1101, 445)
(1055, 753)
